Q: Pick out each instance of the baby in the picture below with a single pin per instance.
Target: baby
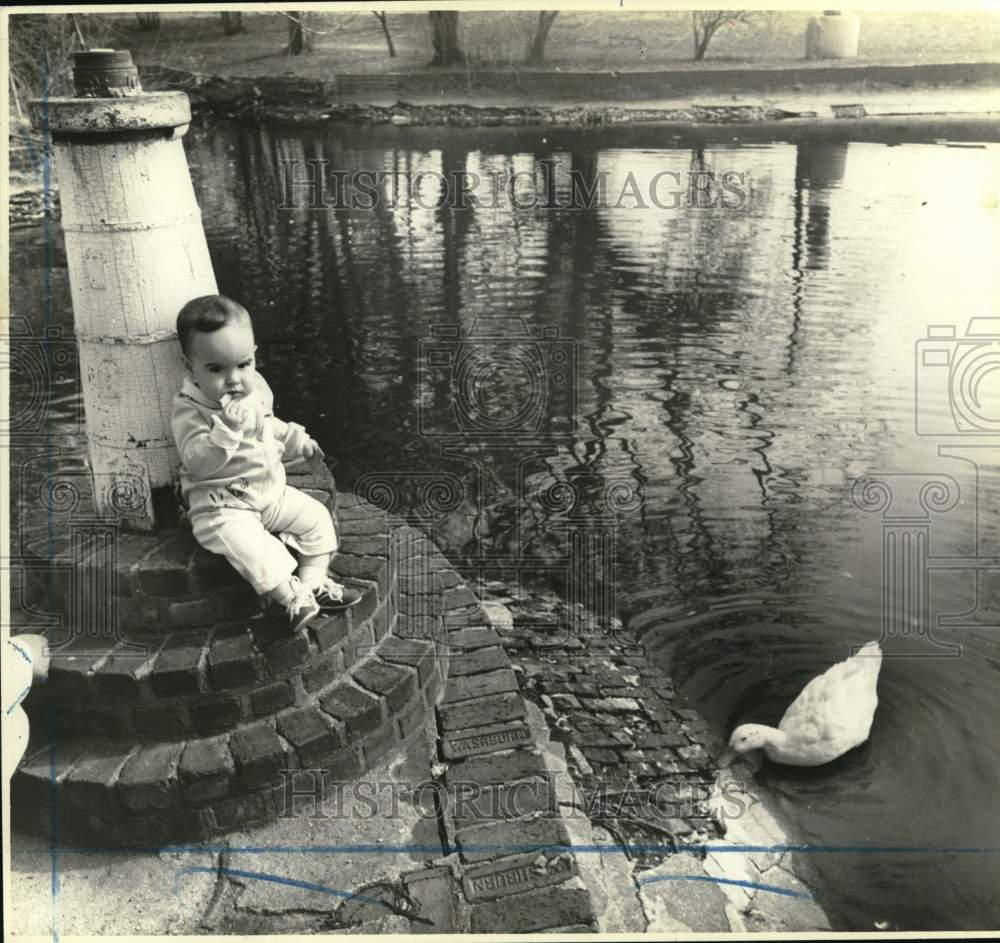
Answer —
(231, 446)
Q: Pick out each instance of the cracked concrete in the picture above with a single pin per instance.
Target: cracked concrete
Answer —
(107, 893)
(761, 910)
(369, 859)
(715, 893)
(710, 884)
(298, 875)
(337, 868)
(605, 873)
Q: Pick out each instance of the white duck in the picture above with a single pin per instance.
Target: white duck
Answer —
(832, 715)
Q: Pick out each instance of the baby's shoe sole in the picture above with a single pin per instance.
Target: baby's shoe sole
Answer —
(350, 598)
(303, 618)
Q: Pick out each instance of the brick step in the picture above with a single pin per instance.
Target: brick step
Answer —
(199, 682)
(147, 686)
(500, 799)
(137, 583)
(115, 789)
(127, 791)
(131, 584)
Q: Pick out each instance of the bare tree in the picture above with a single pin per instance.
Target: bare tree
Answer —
(705, 23)
(381, 17)
(444, 36)
(148, 21)
(299, 34)
(232, 23)
(536, 48)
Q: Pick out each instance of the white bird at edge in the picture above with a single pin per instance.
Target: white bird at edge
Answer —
(831, 715)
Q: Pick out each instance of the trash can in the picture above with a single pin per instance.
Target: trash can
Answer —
(833, 35)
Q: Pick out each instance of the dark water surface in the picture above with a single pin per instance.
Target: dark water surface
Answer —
(692, 397)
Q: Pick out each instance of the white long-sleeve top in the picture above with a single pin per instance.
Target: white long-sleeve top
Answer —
(223, 468)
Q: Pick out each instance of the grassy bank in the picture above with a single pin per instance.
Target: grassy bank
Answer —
(354, 43)
(616, 56)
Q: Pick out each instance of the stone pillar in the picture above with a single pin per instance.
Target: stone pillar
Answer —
(136, 252)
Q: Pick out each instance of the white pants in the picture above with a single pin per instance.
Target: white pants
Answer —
(247, 538)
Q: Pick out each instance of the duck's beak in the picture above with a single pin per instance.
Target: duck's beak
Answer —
(726, 757)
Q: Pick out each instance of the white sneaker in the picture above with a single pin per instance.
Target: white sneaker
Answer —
(302, 608)
(332, 595)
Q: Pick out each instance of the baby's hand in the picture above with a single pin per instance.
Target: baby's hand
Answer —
(235, 413)
(311, 448)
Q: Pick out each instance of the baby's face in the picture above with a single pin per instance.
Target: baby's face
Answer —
(222, 361)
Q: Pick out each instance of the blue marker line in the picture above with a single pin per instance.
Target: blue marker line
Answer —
(275, 879)
(47, 314)
(704, 877)
(32, 154)
(20, 698)
(21, 651)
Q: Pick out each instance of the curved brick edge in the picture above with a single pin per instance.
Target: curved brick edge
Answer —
(154, 793)
(518, 871)
(207, 681)
(138, 793)
(135, 583)
(160, 793)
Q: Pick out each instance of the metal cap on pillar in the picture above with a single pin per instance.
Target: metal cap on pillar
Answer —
(136, 252)
(105, 73)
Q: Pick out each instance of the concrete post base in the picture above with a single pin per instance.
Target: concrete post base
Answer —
(189, 723)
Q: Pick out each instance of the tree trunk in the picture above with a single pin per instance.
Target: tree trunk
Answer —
(706, 23)
(385, 29)
(536, 51)
(148, 21)
(299, 37)
(232, 23)
(704, 26)
(701, 46)
(444, 36)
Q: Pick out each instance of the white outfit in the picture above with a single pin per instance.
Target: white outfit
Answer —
(235, 489)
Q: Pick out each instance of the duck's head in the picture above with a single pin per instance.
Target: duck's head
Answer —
(749, 737)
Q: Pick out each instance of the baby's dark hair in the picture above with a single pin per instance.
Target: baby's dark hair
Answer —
(207, 313)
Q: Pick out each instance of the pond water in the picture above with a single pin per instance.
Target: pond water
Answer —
(662, 410)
